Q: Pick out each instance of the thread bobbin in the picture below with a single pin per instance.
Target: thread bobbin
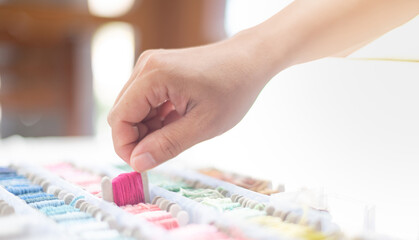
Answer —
(173, 208)
(108, 191)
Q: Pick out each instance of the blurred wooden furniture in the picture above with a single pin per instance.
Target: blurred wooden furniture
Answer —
(45, 62)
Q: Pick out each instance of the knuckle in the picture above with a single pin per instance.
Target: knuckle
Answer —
(110, 118)
(169, 146)
(147, 52)
(154, 61)
(113, 116)
(144, 55)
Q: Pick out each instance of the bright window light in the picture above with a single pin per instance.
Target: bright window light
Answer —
(113, 50)
(109, 8)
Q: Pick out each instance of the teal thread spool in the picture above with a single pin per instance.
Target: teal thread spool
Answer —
(50, 211)
(53, 203)
(71, 216)
(73, 202)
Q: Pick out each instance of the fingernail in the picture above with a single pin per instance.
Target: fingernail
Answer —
(143, 162)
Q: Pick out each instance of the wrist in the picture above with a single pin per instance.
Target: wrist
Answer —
(267, 56)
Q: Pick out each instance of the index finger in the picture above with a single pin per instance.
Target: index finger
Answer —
(132, 108)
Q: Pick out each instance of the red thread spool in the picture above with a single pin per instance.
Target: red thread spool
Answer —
(128, 189)
(168, 224)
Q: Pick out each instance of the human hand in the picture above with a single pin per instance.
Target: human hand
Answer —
(178, 98)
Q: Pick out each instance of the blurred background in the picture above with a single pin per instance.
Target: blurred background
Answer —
(347, 126)
(63, 62)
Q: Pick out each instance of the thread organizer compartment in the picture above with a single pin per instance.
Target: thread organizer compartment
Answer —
(147, 212)
(183, 205)
(202, 212)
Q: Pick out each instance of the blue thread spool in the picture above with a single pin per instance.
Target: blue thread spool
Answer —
(40, 199)
(34, 195)
(22, 189)
(5, 170)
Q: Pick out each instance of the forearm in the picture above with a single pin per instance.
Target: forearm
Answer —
(311, 29)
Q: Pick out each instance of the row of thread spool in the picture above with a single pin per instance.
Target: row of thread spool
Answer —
(317, 219)
(253, 184)
(235, 228)
(109, 224)
(18, 220)
(264, 187)
(286, 215)
(163, 204)
(293, 216)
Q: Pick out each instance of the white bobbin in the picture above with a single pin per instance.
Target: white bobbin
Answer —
(146, 188)
(155, 200)
(182, 218)
(270, 210)
(163, 204)
(174, 210)
(107, 191)
(159, 201)
(7, 210)
(68, 198)
(278, 213)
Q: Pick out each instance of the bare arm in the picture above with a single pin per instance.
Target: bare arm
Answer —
(307, 30)
(178, 98)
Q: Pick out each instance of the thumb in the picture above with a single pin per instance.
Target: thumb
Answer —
(166, 143)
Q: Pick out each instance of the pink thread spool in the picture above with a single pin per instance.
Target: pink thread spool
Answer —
(161, 218)
(85, 179)
(128, 189)
(152, 213)
(141, 207)
(156, 216)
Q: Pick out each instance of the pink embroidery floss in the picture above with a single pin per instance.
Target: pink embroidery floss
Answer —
(128, 189)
